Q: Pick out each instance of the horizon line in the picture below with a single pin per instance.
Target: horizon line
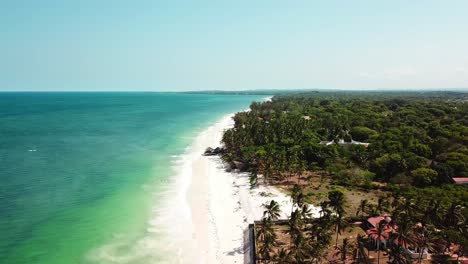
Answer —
(253, 90)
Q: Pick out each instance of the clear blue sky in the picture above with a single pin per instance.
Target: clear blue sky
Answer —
(196, 45)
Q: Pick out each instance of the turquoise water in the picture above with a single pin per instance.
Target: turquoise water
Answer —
(78, 168)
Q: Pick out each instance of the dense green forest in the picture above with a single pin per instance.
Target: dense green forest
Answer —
(403, 148)
(415, 139)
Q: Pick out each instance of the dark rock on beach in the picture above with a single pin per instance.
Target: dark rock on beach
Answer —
(212, 152)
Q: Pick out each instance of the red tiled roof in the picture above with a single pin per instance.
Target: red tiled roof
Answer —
(374, 221)
(460, 180)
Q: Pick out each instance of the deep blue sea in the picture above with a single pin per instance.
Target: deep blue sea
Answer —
(79, 169)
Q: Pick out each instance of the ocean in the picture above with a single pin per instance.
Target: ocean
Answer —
(82, 173)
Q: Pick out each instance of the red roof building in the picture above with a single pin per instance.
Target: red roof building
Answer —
(460, 180)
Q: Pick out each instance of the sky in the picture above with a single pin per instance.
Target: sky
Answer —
(178, 45)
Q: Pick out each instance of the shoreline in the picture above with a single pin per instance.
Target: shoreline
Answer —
(209, 209)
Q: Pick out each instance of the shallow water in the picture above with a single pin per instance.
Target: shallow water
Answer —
(80, 173)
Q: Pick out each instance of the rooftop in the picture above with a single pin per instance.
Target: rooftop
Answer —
(459, 180)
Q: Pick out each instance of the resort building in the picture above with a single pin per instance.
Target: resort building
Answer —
(460, 180)
(344, 143)
(383, 241)
(380, 241)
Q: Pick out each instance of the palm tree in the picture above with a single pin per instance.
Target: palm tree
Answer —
(325, 211)
(294, 225)
(398, 256)
(362, 207)
(407, 207)
(424, 239)
(284, 256)
(403, 235)
(381, 205)
(401, 238)
(306, 212)
(296, 195)
(336, 201)
(267, 237)
(359, 251)
(319, 237)
(454, 216)
(272, 210)
(253, 179)
(300, 248)
(377, 235)
(434, 212)
(343, 250)
(340, 224)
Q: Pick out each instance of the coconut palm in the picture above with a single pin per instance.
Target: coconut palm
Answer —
(401, 238)
(382, 205)
(377, 235)
(253, 180)
(299, 247)
(362, 207)
(454, 215)
(434, 212)
(424, 239)
(359, 251)
(340, 223)
(343, 250)
(325, 211)
(319, 236)
(272, 210)
(267, 237)
(284, 256)
(336, 200)
(403, 235)
(397, 255)
(306, 212)
(294, 225)
(296, 196)
(407, 207)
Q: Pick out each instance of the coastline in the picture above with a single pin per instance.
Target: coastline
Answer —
(208, 210)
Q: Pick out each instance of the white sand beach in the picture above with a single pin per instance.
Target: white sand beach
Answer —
(211, 208)
(202, 214)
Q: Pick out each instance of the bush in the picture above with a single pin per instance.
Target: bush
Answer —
(424, 177)
(354, 177)
(361, 133)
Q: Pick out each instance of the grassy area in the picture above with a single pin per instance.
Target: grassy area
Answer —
(316, 185)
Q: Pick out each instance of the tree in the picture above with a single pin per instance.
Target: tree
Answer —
(397, 255)
(343, 250)
(362, 133)
(424, 176)
(421, 150)
(340, 223)
(382, 205)
(296, 196)
(362, 207)
(294, 226)
(284, 256)
(336, 200)
(377, 235)
(267, 237)
(401, 238)
(319, 237)
(360, 256)
(423, 240)
(272, 210)
(389, 165)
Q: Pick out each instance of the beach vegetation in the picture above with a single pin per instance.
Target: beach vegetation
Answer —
(359, 155)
